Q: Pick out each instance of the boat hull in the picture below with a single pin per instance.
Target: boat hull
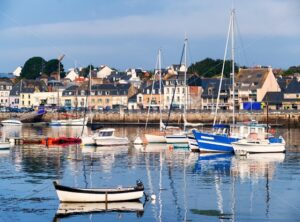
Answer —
(5, 145)
(69, 122)
(193, 145)
(155, 138)
(111, 141)
(217, 143)
(244, 147)
(11, 122)
(177, 139)
(76, 195)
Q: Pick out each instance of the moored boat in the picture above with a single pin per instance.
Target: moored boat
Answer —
(69, 122)
(4, 145)
(256, 145)
(11, 122)
(93, 195)
(106, 137)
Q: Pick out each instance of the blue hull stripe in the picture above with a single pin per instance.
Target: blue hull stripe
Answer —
(214, 143)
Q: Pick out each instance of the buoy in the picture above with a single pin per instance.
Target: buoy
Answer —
(153, 197)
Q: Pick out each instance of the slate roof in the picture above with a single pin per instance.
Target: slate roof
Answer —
(111, 89)
(273, 98)
(211, 87)
(251, 79)
(116, 76)
(155, 87)
(293, 87)
(28, 86)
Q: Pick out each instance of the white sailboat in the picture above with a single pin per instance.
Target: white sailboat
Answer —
(179, 139)
(158, 137)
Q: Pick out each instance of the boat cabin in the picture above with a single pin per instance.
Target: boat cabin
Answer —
(106, 132)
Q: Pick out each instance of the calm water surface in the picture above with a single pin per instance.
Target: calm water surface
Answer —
(188, 187)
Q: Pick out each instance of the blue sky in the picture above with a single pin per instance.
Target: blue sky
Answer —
(128, 33)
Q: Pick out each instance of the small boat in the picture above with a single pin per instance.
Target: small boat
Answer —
(4, 145)
(11, 122)
(69, 122)
(254, 144)
(94, 195)
(60, 141)
(106, 137)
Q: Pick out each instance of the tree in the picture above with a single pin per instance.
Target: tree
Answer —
(33, 67)
(52, 66)
(86, 70)
(210, 67)
(292, 70)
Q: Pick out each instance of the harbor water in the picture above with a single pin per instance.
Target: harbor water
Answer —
(187, 186)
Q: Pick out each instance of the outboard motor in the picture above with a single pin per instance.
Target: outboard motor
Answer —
(139, 184)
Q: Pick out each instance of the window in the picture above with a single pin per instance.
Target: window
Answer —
(93, 101)
(107, 100)
(140, 99)
(99, 100)
(178, 98)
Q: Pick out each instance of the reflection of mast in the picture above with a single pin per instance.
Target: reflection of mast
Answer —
(267, 191)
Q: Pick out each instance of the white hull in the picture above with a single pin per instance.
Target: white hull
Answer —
(193, 145)
(111, 141)
(151, 138)
(69, 122)
(5, 145)
(77, 195)
(177, 139)
(245, 147)
(88, 141)
(65, 196)
(11, 122)
(81, 208)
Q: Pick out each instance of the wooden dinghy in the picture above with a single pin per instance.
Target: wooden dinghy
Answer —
(94, 195)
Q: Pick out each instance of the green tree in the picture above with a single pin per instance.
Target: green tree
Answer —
(86, 70)
(210, 67)
(52, 66)
(33, 67)
(292, 70)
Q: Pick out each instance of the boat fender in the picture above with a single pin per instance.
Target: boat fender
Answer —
(153, 197)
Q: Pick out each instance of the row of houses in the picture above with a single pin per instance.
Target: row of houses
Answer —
(113, 89)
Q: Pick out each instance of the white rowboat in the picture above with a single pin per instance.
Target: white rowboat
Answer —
(94, 195)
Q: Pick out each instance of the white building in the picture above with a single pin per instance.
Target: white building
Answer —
(72, 74)
(104, 71)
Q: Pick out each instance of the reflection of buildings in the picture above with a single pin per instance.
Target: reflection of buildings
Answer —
(256, 166)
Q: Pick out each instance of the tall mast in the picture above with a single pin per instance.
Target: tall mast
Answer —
(185, 85)
(232, 58)
(223, 68)
(160, 89)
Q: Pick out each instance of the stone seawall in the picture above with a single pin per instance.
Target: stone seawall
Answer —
(284, 119)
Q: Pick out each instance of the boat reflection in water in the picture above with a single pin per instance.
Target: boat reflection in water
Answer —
(69, 209)
(256, 166)
(153, 147)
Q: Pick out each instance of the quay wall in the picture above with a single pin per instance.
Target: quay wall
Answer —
(283, 119)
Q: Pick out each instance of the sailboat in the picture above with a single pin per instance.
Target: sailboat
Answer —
(158, 137)
(180, 138)
(221, 138)
(70, 120)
